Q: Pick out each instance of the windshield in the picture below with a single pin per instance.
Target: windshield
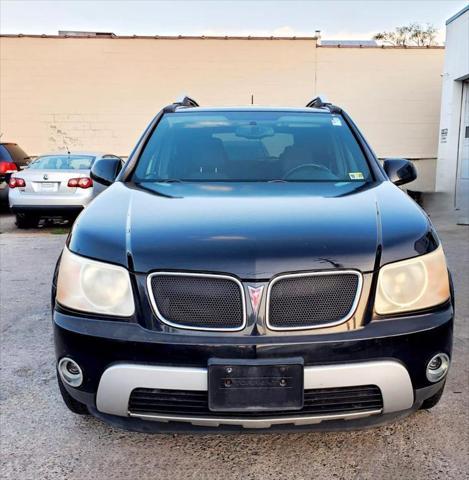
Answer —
(63, 162)
(252, 146)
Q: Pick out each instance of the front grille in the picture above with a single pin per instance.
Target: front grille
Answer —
(321, 401)
(198, 301)
(312, 300)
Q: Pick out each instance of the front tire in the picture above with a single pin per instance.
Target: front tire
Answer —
(26, 220)
(433, 400)
(73, 405)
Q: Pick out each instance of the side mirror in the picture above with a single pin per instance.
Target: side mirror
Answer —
(105, 170)
(400, 170)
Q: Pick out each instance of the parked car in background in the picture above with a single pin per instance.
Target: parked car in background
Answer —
(12, 159)
(53, 185)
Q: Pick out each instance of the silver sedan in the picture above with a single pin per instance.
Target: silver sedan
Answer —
(55, 184)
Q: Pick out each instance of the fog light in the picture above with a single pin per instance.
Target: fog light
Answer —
(70, 372)
(437, 367)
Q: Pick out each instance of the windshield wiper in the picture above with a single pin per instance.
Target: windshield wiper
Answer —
(167, 180)
(153, 190)
(277, 180)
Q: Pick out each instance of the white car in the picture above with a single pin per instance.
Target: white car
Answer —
(55, 184)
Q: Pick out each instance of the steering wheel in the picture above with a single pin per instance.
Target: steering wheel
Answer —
(306, 166)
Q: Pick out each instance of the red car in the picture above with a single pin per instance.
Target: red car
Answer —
(12, 159)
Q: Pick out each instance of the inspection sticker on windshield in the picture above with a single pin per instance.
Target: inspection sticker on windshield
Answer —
(336, 122)
(356, 175)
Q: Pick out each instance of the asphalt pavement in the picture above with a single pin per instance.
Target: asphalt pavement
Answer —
(41, 439)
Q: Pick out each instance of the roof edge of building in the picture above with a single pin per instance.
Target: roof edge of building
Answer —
(159, 37)
(386, 47)
(457, 15)
(213, 37)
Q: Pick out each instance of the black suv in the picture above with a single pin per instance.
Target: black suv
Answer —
(252, 268)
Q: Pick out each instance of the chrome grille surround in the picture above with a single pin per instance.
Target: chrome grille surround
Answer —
(314, 274)
(166, 321)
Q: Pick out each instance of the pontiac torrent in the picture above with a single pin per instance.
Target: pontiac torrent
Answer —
(252, 268)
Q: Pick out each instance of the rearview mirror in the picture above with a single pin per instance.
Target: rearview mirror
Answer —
(253, 131)
(400, 170)
(105, 170)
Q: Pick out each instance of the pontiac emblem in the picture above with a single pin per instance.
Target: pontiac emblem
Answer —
(255, 294)
(45, 177)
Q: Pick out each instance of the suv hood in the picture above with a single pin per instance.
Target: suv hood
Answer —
(252, 230)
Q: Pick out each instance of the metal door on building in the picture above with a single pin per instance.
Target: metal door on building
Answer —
(462, 179)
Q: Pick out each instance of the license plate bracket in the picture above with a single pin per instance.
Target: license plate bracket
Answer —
(255, 385)
(47, 186)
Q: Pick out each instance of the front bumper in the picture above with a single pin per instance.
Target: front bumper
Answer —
(119, 380)
(117, 357)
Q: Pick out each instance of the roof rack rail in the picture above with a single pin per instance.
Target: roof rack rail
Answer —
(186, 101)
(318, 102)
(321, 102)
(183, 101)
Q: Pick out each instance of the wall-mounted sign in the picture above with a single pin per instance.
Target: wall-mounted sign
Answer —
(444, 135)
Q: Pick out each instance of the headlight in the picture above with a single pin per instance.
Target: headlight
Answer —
(413, 284)
(96, 287)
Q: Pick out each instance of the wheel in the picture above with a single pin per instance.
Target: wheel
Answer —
(433, 400)
(73, 405)
(26, 220)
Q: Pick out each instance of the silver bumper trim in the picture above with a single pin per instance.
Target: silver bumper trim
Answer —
(118, 381)
(255, 422)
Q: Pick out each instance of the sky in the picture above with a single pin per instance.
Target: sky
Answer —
(337, 19)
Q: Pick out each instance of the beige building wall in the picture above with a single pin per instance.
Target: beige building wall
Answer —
(393, 94)
(100, 93)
